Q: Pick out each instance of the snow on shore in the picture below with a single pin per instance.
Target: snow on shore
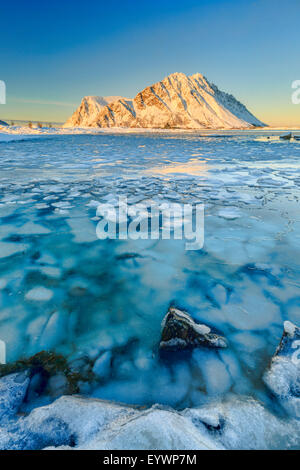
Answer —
(88, 423)
(12, 133)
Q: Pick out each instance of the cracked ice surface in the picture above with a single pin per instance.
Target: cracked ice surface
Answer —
(63, 289)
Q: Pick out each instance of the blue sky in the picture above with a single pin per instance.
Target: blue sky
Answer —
(54, 53)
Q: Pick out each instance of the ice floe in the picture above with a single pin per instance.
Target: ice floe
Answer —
(39, 294)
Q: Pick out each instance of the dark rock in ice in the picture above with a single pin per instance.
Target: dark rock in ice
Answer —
(286, 136)
(287, 346)
(179, 332)
(125, 256)
(48, 373)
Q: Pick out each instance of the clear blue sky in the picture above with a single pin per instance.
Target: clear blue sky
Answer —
(54, 53)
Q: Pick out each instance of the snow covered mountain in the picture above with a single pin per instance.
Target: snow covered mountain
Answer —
(86, 114)
(177, 102)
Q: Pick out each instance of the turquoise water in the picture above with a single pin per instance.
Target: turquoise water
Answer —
(63, 289)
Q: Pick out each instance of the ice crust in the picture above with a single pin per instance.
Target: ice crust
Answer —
(86, 423)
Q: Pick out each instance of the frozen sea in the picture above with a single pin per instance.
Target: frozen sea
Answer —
(101, 302)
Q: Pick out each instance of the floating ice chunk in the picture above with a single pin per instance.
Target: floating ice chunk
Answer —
(55, 188)
(6, 231)
(123, 391)
(31, 228)
(102, 365)
(214, 371)
(230, 213)
(6, 210)
(74, 193)
(50, 198)
(54, 332)
(230, 250)
(36, 190)
(251, 310)
(61, 205)
(270, 182)
(61, 211)
(249, 342)
(83, 230)
(39, 294)
(46, 258)
(135, 199)
(220, 294)
(246, 198)
(10, 198)
(3, 283)
(27, 201)
(9, 249)
(93, 203)
(51, 271)
(36, 327)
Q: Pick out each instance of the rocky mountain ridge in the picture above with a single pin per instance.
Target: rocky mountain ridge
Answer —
(177, 102)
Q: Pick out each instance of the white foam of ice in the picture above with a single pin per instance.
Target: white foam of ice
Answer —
(39, 294)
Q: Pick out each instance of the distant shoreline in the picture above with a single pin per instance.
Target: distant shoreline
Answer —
(54, 128)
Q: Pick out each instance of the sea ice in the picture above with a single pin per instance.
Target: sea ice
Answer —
(51, 271)
(9, 249)
(215, 374)
(39, 294)
(31, 228)
(102, 365)
(230, 213)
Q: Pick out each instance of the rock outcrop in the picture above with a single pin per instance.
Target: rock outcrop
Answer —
(179, 332)
(90, 107)
(177, 102)
(283, 376)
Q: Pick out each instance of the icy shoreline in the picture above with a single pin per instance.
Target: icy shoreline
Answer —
(11, 132)
(88, 423)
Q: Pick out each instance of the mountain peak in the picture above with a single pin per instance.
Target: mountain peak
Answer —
(177, 75)
(178, 101)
